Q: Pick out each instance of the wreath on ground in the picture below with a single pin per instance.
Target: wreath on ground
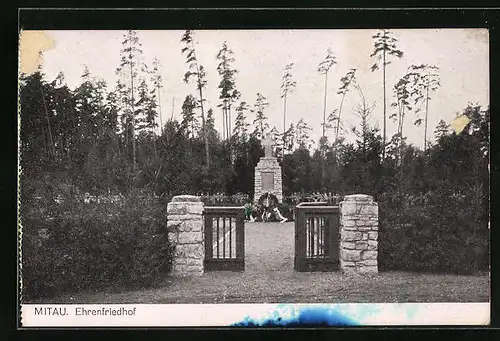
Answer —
(265, 207)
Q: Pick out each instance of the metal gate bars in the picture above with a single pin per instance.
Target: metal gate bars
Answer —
(317, 237)
(224, 238)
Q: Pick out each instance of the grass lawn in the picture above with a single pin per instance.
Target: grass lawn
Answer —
(243, 287)
(335, 288)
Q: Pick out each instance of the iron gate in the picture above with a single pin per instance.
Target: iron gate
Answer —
(224, 238)
(317, 237)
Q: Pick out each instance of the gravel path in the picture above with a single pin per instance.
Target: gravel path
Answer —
(269, 277)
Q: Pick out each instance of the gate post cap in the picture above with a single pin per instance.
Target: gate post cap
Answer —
(358, 197)
(186, 198)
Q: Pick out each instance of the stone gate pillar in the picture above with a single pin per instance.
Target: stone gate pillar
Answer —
(358, 234)
(186, 225)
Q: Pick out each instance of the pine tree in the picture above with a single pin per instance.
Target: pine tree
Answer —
(384, 47)
(145, 108)
(190, 123)
(302, 136)
(158, 84)
(241, 125)
(90, 99)
(287, 86)
(41, 86)
(402, 94)
(213, 136)
(425, 78)
(442, 129)
(146, 111)
(323, 68)
(228, 92)
(196, 70)
(260, 123)
(278, 140)
(60, 103)
(289, 138)
(363, 111)
(96, 113)
(130, 69)
(124, 115)
(346, 81)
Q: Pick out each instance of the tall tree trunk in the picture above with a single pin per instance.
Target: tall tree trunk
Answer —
(324, 103)
(231, 155)
(52, 147)
(323, 134)
(398, 154)
(224, 130)
(133, 112)
(153, 129)
(173, 105)
(154, 145)
(229, 120)
(401, 138)
(284, 120)
(159, 107)
(385, 113)
(426, 111)
(205, 137)
(400, 187)
(226, 115)
(126, 133)
(284, 113)
(338, 118)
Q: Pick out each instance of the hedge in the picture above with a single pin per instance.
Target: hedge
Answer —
(91, 246)
(445, 233)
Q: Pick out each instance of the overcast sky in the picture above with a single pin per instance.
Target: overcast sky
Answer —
(461, 54)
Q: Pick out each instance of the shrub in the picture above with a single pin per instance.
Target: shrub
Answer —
(91, 246)
(236, 200)
(443, 233)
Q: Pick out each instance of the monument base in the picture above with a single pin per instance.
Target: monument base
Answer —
(268, 179)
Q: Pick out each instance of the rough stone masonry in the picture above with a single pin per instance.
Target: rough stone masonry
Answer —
(358, 234)
(185, 224)
(268, 165)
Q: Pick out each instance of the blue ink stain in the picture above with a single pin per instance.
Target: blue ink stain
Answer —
(307, 316)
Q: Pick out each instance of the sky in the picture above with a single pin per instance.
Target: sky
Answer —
(462, 56)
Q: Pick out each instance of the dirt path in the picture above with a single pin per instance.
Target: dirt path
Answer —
(269, 277)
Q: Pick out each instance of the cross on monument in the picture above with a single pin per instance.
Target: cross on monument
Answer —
(268, 146)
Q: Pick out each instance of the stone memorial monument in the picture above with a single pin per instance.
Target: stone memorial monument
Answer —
(268, 178)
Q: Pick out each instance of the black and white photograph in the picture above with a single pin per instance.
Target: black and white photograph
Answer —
(254, 166)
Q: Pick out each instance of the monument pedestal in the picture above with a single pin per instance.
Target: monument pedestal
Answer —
(268, 178)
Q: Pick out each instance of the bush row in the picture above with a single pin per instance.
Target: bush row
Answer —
(446, 234)
(94, 246)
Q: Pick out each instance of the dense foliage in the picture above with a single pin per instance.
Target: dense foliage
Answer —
(72, 245)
